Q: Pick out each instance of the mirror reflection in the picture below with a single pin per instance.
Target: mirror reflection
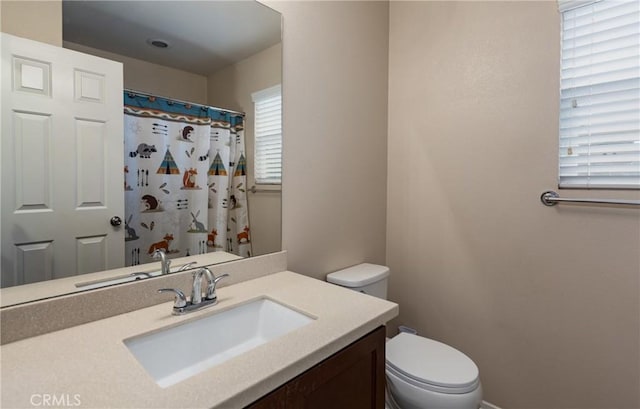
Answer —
(179, 85)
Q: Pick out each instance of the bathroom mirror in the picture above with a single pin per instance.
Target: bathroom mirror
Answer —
(209, 53)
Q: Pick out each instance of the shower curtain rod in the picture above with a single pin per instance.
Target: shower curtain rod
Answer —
(146, 94)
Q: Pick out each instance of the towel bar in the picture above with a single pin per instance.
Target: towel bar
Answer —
(551, 198)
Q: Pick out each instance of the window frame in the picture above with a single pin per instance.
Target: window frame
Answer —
(568, 181)
(257, 97)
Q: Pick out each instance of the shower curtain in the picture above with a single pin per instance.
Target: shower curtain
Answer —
(184, 180)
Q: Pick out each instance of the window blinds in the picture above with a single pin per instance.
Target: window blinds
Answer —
(268, 135)
(600, 95)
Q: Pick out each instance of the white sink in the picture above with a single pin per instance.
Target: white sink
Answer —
(176, 353)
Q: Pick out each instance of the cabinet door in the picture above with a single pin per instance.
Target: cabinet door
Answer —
(353, 378)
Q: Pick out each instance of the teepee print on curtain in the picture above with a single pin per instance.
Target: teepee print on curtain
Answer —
(168, 165)
(241, 167)
(217, 166)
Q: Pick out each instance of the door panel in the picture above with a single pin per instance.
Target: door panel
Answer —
(89, 87)
(31, 76)
(92, 176)
(31, 137)
(35, 262)
(92, 252)
(62, 162)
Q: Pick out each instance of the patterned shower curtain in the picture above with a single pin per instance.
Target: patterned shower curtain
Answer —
(184, 180)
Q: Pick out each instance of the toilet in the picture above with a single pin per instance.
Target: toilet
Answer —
(421, 373)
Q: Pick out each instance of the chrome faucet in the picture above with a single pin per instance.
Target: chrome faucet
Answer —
(164, 261)
(196, 289)
(182, 305)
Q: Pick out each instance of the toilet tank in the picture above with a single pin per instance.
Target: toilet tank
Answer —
(366, 278)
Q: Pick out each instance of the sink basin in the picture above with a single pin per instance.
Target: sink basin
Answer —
(176, 353)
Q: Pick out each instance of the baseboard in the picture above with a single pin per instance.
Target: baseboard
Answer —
(487, 405)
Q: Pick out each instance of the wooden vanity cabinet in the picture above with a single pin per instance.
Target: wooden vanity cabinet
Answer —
(353, 378)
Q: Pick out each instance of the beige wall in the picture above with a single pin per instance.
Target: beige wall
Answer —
(335, 126)
(545, 300)
(36, 20)
(152, 78)
(231, 88)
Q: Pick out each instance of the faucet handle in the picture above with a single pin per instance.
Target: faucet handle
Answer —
(186, 266)
(140, 275)
(211, 288)
(180, 300)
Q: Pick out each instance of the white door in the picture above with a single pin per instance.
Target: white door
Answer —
(62, 162)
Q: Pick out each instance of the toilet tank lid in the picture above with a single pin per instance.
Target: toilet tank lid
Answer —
(359, 275)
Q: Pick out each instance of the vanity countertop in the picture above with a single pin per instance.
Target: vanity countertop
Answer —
(90, 366)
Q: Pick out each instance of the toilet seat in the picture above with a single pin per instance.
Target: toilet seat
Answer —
(431, 365)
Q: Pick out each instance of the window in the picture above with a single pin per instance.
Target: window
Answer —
(600, 94)
(268, 135)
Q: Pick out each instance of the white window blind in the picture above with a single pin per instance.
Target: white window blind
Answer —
(268, 135)
(600, 94)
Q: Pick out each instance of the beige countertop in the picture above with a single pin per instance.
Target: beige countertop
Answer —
(90, 366)
(67, 285)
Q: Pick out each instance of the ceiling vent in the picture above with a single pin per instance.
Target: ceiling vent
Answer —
(157, 43)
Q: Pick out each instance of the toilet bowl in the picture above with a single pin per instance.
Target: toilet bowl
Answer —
(421, 373)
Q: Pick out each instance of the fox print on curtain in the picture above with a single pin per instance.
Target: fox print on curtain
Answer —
(173, 201)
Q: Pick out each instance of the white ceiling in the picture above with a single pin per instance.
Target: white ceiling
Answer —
(203, 36)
